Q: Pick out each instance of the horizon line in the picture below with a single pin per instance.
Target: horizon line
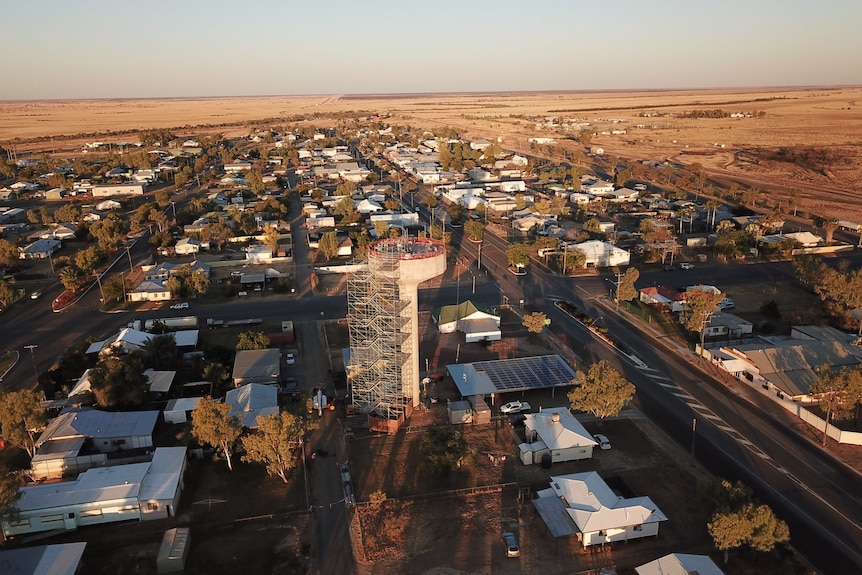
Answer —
(368, 95)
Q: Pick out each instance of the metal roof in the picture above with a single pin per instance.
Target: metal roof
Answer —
(517, 374)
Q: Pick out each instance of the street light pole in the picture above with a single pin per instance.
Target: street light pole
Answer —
(31, 347)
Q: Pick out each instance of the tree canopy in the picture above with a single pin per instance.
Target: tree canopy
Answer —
(213, 425)
(518, 255)
(700, 306)
(535, 322)
(443, 449)
(837, 392)
(119, 381)
(252, 340)
(21, 418)
(602, 391)
(738, 519)
(274, 443)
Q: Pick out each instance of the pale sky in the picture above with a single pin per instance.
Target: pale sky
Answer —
(57, 49)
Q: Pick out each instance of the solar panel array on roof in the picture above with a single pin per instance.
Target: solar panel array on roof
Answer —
(517, 374)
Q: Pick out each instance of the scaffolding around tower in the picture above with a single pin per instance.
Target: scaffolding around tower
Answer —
(383, 327)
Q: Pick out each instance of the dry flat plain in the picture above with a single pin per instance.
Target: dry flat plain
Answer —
(821, 127)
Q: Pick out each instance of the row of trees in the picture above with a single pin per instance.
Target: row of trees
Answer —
(274, 443)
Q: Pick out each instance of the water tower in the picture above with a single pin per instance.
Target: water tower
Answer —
(382, 313)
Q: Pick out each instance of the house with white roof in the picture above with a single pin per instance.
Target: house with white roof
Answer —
(602, 254)
(39, 250)
(253, 400)
(582, 504)
(60, 559)
(107, 190)
(134, 491)
(149, 290)
(554, 431)
(187, 246)
(680, 564)
(367, 206)
(598, 188)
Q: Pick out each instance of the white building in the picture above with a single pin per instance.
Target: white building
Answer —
(253, 400)
(107, 190)
(680, 564)
(602, 254)
(582, 504)
(555, 432)
(135, 491)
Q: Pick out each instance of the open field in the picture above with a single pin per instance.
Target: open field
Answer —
(826, 119)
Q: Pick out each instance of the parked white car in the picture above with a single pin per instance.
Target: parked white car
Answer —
(604, 442)
(182, 305)
(515, 407)
(686, 266)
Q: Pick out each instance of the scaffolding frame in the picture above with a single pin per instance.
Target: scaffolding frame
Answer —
(381, 369)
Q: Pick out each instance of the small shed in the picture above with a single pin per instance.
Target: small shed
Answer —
(174, 550)
(481, 411)
(460, 412)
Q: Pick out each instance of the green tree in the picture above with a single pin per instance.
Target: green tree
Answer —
(109, 232)
(535, 322)
(347, 210)
(22, 417)
(520, 202)
(700, 306)
(753, 525)
(252, 340)
(836, 392)
(163, 197)
(626, 290)
(328, 245)
(119, 381)
(592, 226)
(197, 283)
(444, 449)
(456, 212)
(8, 253)
(518, 255)
(275, 441)
(10, 493)
(213, 425)
(89, 259)
(160, 352)
(475, 230)
(7, 294)
(71, 278)
(114, 287)
(603, 391)
(255, 182)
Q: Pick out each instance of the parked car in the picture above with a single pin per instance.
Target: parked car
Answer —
(726, 304)
(511, 543)
(686, 266)
(288, 385)
(517, 419)
(515, 407)
(36, 295)
(290, 359)
(668, 268)
(640, 187)
(604, 442)
(182, 305)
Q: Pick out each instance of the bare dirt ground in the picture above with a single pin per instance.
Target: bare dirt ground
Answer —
(828, 119)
